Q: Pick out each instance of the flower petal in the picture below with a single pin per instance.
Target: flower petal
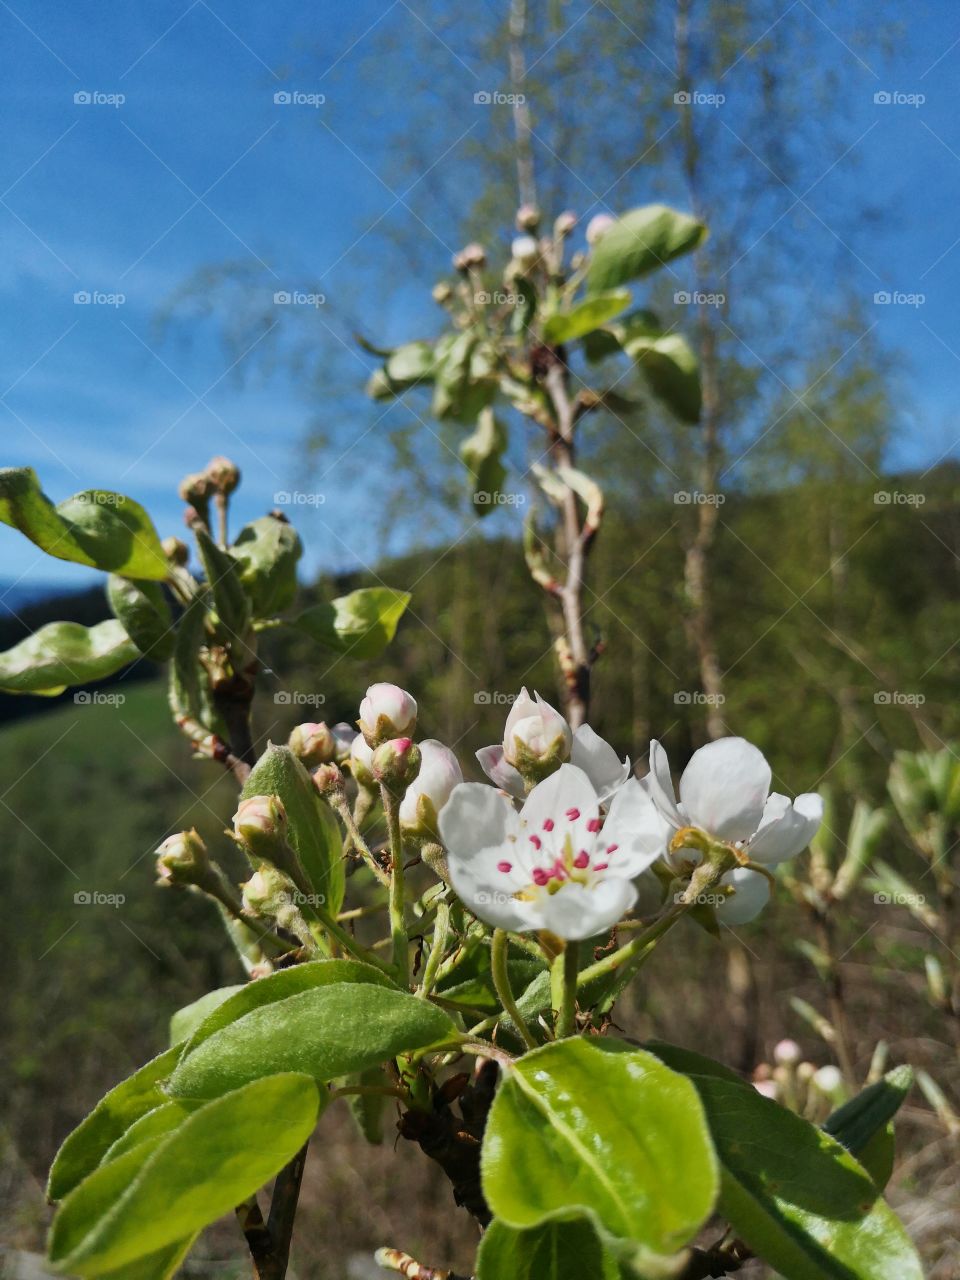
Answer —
(724, 788)
(478, 827)
(660, 785)
(638, 829)
(599, 762)
(786, 829)
(576, 912)
(751, 896)
(499, 772)
(567, 791)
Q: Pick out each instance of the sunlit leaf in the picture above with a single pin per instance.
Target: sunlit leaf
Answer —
(595, 310)
(359, 625)
(639, 242)
(146, 616)
(62, 654)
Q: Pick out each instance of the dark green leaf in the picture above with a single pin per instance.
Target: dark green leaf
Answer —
(556, 1250)
(639, 242)
(404, 368)
(62, 654)
(313, 830)
(99, 528)
(586, 316)
(483, 454)
(689, 1061)
(143, 609)
(360, 624)
(327, 1032)
(671, 371)
(267, 551)
(223, 580)
(863, 1125)
(171, 1186)
(110, 1119)
(188, 689)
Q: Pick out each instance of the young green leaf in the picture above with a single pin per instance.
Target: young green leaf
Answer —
(326, 1032)
(186, 1020)
(359, 625)
(267, 551)
(223, 580)
(557, 1250)
(595, 310)
(639, 242)
(616, 1135)
(62, 654)
(313, 830)
(161, 1120)
(671, 371)
(403, 368)
(796, 1196)
(173, 1185)
(110, 1119)
(143, 609)
(483, 454)
(106, 530)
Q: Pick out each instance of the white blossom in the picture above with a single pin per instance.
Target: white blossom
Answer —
(430, 790)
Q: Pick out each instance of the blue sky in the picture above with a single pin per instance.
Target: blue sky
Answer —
(198, 165)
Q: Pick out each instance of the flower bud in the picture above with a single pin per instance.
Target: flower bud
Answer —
(598, 225)
(361, 761)
(525, 251)
(196, 489)
(182, 859)
(430, 790)
(312, 743)
(805, 1072)
(442, 293)
(787, 1053)
(267, 892)
(528, 217)
(565, 223)
(474, 255)
(343, 736)
(767, 1088)
(828, 1080)
(176, 551)
(223, 474)
(327, 779)
(396, 763)
(387, 712)
(261, 823)
(536, 737)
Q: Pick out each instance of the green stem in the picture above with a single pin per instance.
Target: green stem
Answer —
(501, 981)
(634, 948)
(398, 928)
(355, 838)
(569, 967)
(441, 932)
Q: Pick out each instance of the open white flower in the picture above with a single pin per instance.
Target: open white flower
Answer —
(539, 728)
(725, 792)
(430, 789)
(557, 864)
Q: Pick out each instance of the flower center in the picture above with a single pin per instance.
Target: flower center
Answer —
(565, 850)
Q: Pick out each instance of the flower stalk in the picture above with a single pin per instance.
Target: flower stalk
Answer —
(501, 981)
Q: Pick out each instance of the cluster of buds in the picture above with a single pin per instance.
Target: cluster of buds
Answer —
(223, 475)
(801, 1086)
(528, 217)
(217, 480)
(474, 256)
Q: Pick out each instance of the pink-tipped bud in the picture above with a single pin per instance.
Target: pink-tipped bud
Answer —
(223, 474)
(386, 712)
(528, 217)
(474, 255)
(598, 225)
(176, 551)
(312, 743)
(268, 892)
(361, 761)
(328, 779)
(787, 1053)
(261, 823)
(439, 773)
(343, 736)
(828, 1080)
(525, 251)
(565, 223)
(536, 736)
(396, 763)
(182, 859)
(195, 489)
(767, 1089)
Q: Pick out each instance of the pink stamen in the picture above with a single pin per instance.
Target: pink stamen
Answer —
(504, 867)
(540, 876)
(600, 866)
(559, 870)
(536, 841)
(582, 860)
(548, 824)
(573, 814)
(594, 824)
(612, 848)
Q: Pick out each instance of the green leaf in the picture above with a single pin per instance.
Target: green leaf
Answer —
(327, 1032)
(863, 1125)
(188, 690)
(689, 1061)
(483, 454)
(671, 370)
(161, 1120)
(170, 1187)
(557, 1250)
(367, 1108)
(639, 242)
(467, 379)
(595, 310)
(796, 1196)
(143, 609)
(404, 368)
(578, 1127)
(313, 830)
(471, 983)
(360, 624)
(267, 551)
(161, 1265)
(223, 580)
(186, 1020)
(110, 1119)
(99, 528)
(63, 654)
(280, 985)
